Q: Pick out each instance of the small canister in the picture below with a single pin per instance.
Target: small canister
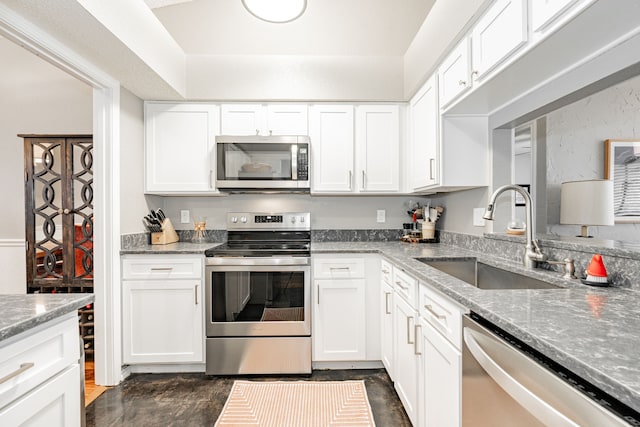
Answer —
(428, 229)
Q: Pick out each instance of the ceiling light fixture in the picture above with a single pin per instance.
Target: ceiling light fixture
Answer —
(276, 11)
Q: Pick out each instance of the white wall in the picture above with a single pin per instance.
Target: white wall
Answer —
(326, 212)
(36, 98)
(133, 205)
(575, 148)
(291, 77)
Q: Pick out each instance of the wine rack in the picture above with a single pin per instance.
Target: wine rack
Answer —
(86, 320)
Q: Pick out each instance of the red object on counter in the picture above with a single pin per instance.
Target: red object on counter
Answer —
(415, 217)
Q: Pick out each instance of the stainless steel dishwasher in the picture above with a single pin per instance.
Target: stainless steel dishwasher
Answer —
(507, 383)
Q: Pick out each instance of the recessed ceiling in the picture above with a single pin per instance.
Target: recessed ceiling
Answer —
(328, 27)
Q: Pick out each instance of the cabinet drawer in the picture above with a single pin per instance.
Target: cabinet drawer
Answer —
(405, 286)
(442, 313)
(386, 271)
(161, 267)
(335, 268)
(38, 357)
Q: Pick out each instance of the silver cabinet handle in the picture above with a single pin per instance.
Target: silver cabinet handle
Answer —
(386, 302)
(338, 268)
(161, 268)
(462, 83)
(210, 178)
(434, 313)
(475, 73)
(399, 283)
(415, 340)
(385, 271)
(364, 180)
(409, 319)
(196, 293)
(318, 300)
(350, 180)
(257, 131)
(431, 168)
(23, 367)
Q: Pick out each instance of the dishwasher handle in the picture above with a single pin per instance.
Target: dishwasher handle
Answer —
(546, 413)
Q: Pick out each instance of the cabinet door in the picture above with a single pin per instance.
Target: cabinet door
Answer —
(442, 367)
(543, 12)
(180, 147)
(497, 34)
(243, 119)
(378, 148)
(339, 320)
(56, 403)
(331, 130)
(406, 358)
(162, 321)
(386, 327)
(287, 119)
(453, 74)
(423, 151)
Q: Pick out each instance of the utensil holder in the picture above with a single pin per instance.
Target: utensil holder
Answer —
(166, 236)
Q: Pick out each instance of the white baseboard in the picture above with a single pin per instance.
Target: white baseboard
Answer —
(369, 364)
(13, 265)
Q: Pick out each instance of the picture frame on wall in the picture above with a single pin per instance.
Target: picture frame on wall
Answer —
(622, 166)
(519, 199)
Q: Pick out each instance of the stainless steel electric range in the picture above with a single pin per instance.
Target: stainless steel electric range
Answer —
(257, 288)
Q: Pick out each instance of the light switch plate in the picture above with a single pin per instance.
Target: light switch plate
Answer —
(184, 217)
(478, 221)
(381, 215)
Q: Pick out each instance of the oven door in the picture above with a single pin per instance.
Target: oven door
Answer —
(259, 297)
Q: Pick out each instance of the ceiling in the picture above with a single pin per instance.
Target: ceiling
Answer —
(328, 27)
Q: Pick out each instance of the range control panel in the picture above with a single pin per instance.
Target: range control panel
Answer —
(268, 221)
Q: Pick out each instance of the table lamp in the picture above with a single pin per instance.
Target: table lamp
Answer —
(587, 203)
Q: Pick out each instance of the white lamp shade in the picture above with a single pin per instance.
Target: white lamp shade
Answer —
(587, 202)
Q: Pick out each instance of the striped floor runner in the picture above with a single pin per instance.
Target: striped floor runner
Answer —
(297, 403)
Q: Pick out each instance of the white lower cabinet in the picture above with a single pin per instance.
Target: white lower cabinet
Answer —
(42, 376)
(162, 316)
(406, 357)
(345, 298)
(386, 327)
(339, 328)
(441, 380)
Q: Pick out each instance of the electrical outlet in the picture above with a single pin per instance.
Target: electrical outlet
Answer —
(478, 221)
(381, 215)
(184, 217)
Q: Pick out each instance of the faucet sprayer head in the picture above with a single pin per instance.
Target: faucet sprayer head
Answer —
(488, 213)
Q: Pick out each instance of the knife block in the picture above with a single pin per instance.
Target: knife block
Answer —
(166, 236)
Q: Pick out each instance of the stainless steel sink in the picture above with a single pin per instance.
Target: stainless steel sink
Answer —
(484, 276)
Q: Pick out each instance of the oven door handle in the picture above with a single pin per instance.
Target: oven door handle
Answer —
(257, 261)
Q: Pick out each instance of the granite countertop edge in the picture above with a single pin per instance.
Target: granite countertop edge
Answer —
(177, 248)
(24, 312)
(541, 334)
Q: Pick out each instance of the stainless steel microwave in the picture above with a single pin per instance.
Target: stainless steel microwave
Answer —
(254, 163)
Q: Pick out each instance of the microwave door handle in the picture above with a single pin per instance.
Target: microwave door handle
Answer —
(294, 162)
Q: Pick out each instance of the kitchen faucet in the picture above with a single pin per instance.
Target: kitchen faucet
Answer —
(532, 252)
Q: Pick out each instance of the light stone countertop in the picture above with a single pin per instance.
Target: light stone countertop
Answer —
(23, 312)
(593, 332)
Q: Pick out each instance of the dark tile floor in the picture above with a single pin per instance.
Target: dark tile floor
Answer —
(197, 400)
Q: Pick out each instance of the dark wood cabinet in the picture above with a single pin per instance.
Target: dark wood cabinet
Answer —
(58, 172)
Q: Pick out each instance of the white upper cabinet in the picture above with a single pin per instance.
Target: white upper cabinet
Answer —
(423, 136)
(331, 130)
(454, 74)
(378, 148)
(180, 147)
(543, 12)
(260, 119)
(287, 119)
(500, 31)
